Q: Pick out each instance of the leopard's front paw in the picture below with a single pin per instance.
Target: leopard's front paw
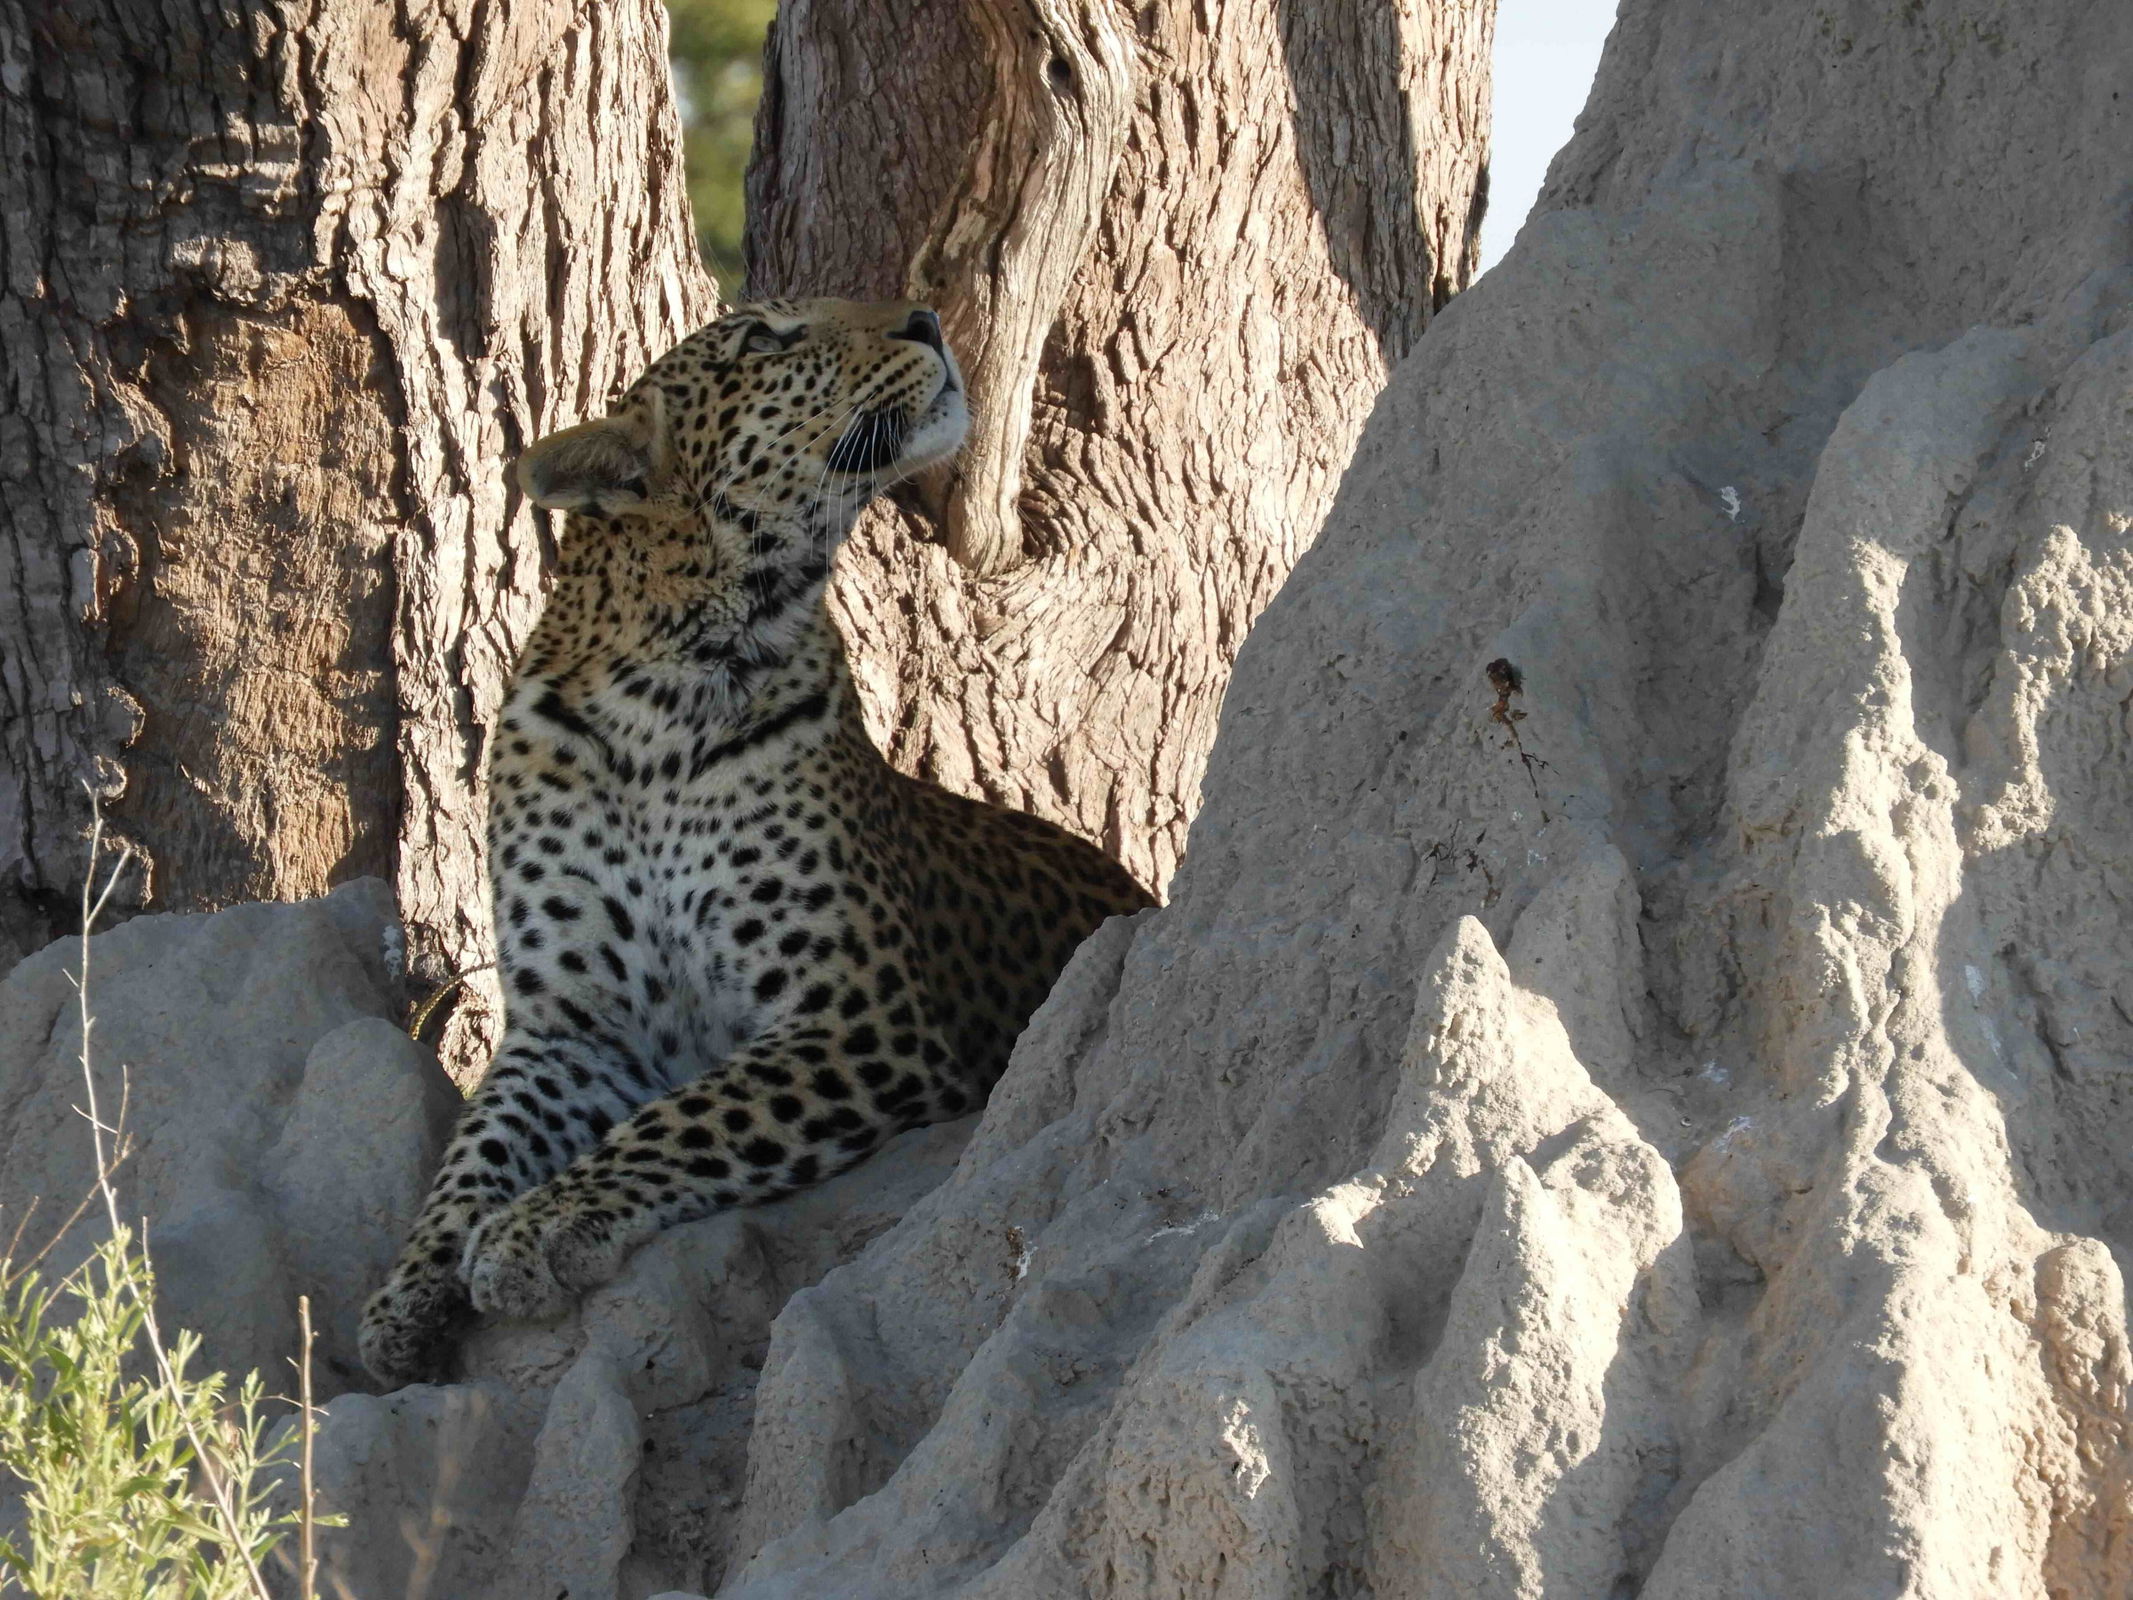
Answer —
(410, 1325)
(583, 1254)
(529, 1260)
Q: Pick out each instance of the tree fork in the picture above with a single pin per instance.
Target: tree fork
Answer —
(1181, 246)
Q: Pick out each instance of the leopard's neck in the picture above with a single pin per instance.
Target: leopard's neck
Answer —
(705, 627)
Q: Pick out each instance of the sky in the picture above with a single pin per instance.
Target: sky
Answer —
(1546, 51)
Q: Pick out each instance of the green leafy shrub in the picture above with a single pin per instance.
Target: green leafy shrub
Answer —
(716, 47)
(138, 1481)
(107, 1446)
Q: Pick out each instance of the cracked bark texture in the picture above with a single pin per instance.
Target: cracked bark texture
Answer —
(1180, 246)
(283, 287)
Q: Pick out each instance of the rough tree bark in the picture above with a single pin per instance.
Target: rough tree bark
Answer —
(282, 289)
(1180, 244)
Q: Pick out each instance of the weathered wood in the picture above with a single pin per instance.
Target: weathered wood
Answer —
(282, 290)
(1181, 245)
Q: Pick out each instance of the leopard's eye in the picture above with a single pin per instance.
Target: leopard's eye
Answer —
(762, 341)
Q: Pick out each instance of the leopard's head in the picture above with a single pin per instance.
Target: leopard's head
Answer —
(780, 410)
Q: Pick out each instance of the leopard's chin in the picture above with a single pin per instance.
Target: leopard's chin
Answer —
(937, 432)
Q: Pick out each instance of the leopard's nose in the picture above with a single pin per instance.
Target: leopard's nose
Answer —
(921, 327)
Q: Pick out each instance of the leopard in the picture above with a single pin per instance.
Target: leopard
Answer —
(738, 949)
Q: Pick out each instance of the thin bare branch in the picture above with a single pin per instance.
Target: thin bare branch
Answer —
(307, 1563)
(210, 1463)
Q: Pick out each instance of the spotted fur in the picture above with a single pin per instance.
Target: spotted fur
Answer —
(738, 949)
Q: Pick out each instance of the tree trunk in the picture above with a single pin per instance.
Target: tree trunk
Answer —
(285, 287)
(1179, 247)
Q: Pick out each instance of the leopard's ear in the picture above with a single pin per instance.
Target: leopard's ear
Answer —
(606, 467)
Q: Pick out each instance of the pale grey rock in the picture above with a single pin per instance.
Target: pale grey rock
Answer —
(282, 1126)
(602, 1455)
(352, 1166)
(429, 1477)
